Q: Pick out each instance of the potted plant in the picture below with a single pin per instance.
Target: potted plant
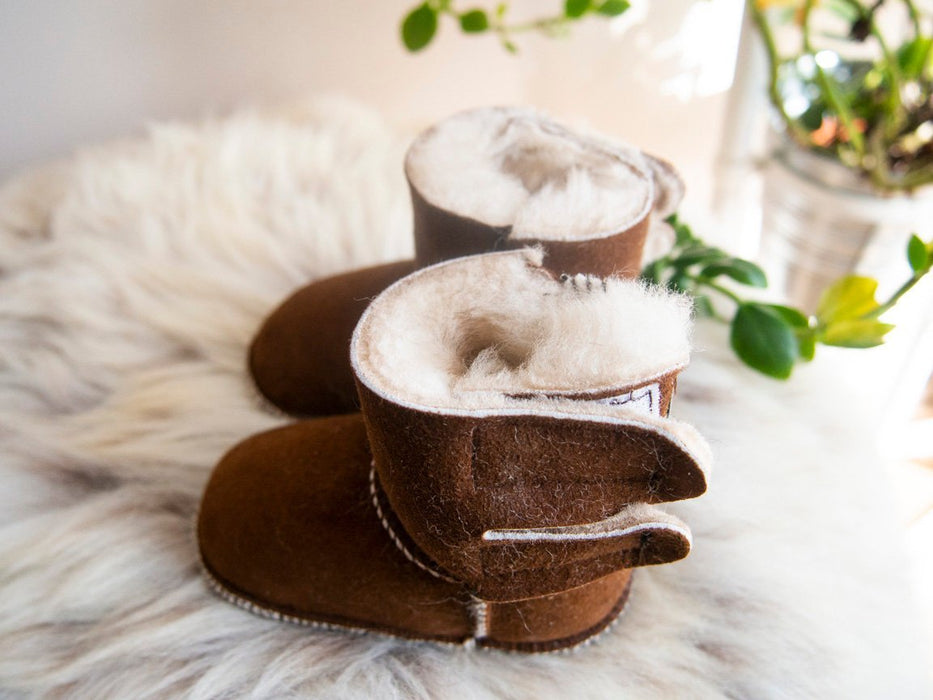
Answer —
(847, 90)
(849, 173)
(770, 338)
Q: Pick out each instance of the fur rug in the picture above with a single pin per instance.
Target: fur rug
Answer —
(131, 279)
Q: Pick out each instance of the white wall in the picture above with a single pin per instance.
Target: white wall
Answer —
(77, 71)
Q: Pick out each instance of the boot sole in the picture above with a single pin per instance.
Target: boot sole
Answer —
(563, 645)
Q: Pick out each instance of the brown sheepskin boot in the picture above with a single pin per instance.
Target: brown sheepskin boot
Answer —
(482, 180)
(497, 488)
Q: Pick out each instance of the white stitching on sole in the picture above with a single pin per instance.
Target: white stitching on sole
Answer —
(229, 596)
(220, 590)
(479, 610)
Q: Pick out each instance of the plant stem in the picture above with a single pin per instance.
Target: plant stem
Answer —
(895, 106)
(832, 95)
(902, 290)
(797, 132)
(547, 25)
(914, 16)
(722, 290)
(915, 179)
(880, 173)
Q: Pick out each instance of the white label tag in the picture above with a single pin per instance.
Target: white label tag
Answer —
(645, 399)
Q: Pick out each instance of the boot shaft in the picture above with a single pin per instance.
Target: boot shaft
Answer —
(505, 178)
(514, 418)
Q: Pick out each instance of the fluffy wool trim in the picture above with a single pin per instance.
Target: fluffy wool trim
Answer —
(476, 332)
(517, 167)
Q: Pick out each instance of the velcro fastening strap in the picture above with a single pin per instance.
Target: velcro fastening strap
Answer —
(636, 536)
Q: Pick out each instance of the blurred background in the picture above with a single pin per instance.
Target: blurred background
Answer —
(74, 72)
(678, 78)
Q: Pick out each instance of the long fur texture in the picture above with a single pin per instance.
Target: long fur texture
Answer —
(471, 333)
(517, 167)
(131, 279)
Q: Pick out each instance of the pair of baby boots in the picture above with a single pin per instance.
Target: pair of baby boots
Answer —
(490, 432)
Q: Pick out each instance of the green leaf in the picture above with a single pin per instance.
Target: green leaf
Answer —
(684, 236)
(911, 56)
(917, 254)
(612, 8)
(703, 307)
(419, 27)
(855, 333)
(681, 231)
(763, 340)
(847, 298)
(474, 21)
(501, 9)
(793, 317)
(800, 322)
(806, 345)
(812, 119)
(652, 272)
(697, 254)
(576, 8)
(742, 271)
(841, 8)
(679, 282)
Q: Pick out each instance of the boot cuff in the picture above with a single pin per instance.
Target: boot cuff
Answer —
(493, 331)
(516, 168)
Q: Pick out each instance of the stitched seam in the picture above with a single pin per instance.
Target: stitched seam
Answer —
(475, 437)
(221, 591)
(558, 534)
(394, 537)
(218, 588)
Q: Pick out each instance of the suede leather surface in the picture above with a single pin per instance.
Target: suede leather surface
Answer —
(287, 524)
(507, 567)
(299, 357)
(616, 255)
(453, 477)
(286, 521)
(443, 235)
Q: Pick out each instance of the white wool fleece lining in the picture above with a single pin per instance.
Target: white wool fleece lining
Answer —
(471, 333)
(516, 167)
(476, 335)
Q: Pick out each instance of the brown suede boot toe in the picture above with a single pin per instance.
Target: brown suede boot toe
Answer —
(287, 523)
(298, 359)
(288, 529)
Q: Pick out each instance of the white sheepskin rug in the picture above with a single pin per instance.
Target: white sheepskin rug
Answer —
(132, 277)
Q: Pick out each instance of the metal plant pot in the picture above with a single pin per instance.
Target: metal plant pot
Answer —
(819, 221)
